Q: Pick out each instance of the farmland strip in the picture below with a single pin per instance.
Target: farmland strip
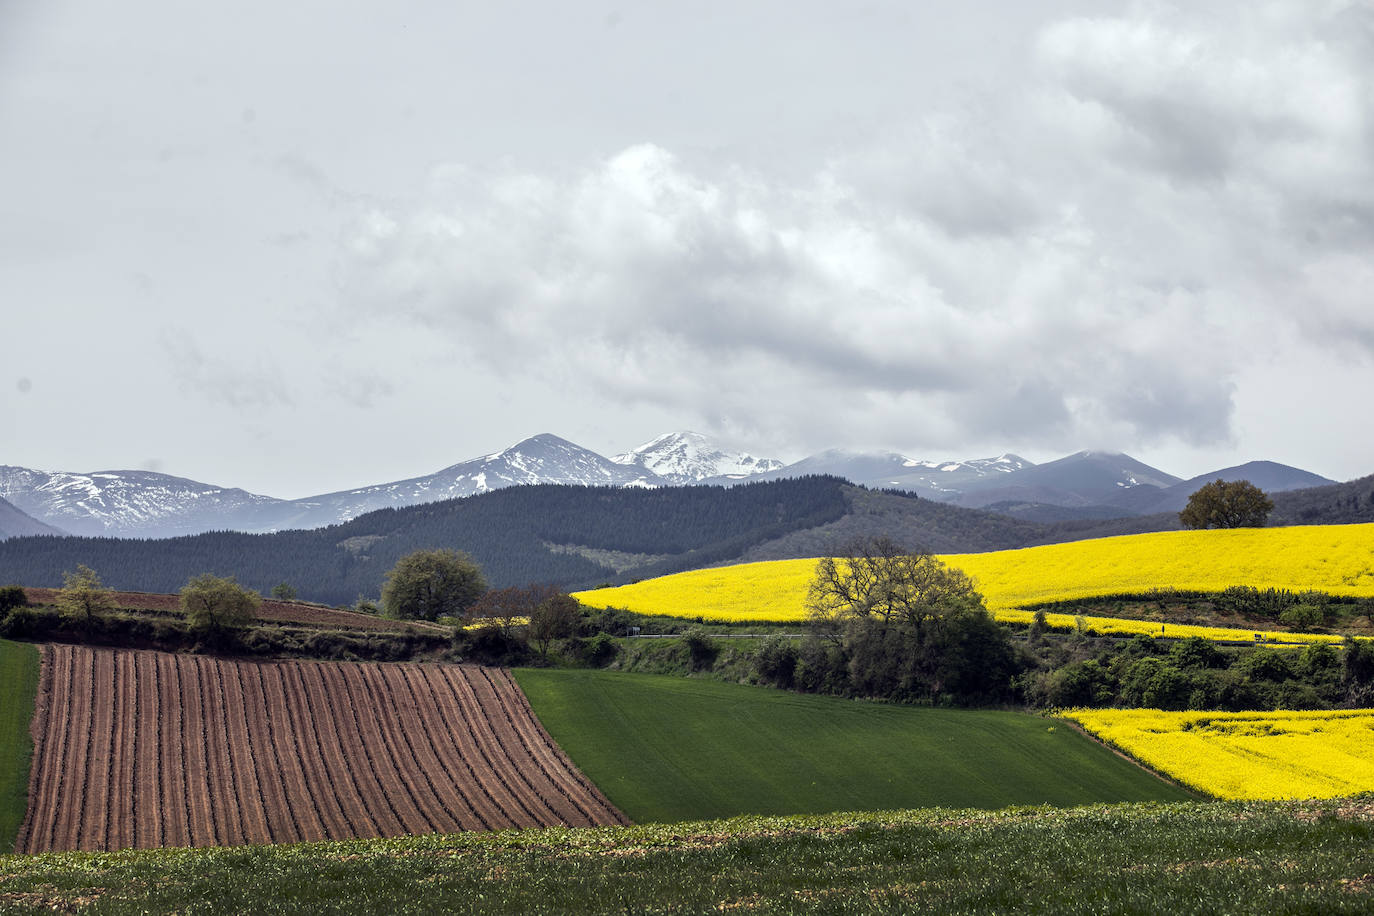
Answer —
(487, 745)
(382, 756)
(550, 771)
(463, 742)
(95, 807)
(194, 747)
(51, 717)
(483, 699)
(415, 733)
(278, 809)
(291, 764)
(158, 775)
(213, 788)
(181, 729)
(121, 808)
(438, 724)
(350, 807)
(388, 822)
(524, 713)
(253, 807)
(403, 723)
(339, 750)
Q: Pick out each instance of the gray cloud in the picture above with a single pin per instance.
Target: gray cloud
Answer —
(243, 382)
(1090, 257)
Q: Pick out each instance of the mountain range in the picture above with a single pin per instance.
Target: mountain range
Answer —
(145, 504)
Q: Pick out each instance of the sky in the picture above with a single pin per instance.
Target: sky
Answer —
(302, 247)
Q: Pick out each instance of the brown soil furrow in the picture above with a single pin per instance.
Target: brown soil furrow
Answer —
(467, 748)
(518, 807)
(457, 813)
(245, 754)
(278, 809)
(343, 799)
(211, 765)
(356, 751)
(156, 780)
(300, 792)
(121, 807)
(395, 728)
(603, 812)
(509, 754)
(143, 749)
(382, 753)
(549, 776)
(194, 751)
(51, 731)
(100, 758)
(438, 720)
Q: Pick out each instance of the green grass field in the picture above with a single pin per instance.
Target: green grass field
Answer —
(671, 749)
(18, 686)
(1198, 857)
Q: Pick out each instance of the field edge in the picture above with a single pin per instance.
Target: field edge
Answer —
(19, 672)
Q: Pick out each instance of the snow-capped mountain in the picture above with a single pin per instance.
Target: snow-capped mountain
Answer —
(130, 503)
(545, 458)
(146, 504)
(688, 457)
(943, 480)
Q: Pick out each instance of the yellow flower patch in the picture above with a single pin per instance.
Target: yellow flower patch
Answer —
(1247, 755)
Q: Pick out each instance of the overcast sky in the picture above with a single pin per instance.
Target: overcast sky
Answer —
(307, 246)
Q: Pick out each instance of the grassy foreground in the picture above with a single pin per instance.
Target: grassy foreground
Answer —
(18, 687)
(1199, 857)
(671, 749)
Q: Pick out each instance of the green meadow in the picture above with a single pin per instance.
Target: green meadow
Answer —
(18, 687)
(672, 749)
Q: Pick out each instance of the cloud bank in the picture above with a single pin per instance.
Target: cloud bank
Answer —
(1093, 256)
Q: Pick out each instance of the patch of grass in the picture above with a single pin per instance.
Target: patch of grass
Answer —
(1140, 858)
(18, 688)
(672, 749)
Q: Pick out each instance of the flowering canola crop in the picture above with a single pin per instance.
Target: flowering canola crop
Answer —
(1337, 559)
(1247, 755)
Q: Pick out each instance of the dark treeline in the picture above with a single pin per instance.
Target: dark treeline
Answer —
(508, 532)
(1336, 504)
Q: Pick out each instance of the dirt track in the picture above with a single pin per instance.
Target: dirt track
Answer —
(143, 749)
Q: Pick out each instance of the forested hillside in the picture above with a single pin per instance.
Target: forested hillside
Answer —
(580, 537)
(571, 536)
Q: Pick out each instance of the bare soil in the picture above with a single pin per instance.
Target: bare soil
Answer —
(138, 749)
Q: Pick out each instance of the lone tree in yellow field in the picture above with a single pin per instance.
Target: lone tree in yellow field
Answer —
(1219, 504)
(908, 627)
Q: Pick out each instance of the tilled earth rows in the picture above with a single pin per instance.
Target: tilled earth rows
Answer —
(138, 749)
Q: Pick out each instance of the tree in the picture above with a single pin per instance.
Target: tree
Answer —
(83, 596)
(283, 591)
(11, 597)
(875, 579)
(1222, 504)
(910, 626)
(216, 604)
(553, 618)
(429, 584)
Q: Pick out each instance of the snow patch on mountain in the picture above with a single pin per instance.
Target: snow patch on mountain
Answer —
(688, 457)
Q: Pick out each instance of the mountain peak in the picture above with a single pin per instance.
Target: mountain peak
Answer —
(687, 457)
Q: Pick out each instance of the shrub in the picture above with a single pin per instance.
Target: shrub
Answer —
(11, 597)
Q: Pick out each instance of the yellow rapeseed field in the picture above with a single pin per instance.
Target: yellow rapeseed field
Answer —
(1338, 559)
(1247, 755)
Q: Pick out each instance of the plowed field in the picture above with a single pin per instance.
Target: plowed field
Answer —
(145, 749)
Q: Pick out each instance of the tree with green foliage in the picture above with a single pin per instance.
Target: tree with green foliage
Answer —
(910, 626)
(82, 595)
(283, 591)
(11, 597)
(429, 584)
(1223, 504)
(216, 604)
